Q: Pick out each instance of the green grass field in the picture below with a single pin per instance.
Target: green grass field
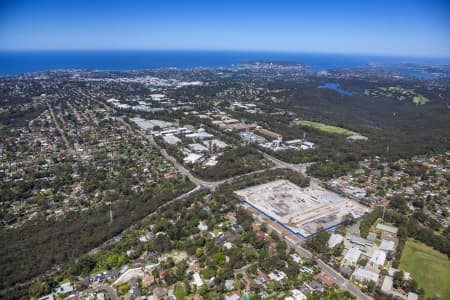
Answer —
(326, 128)
(420, 100)
(430, 268)
(399, 93)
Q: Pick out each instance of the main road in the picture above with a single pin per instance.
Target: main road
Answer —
(344, 283)
(58, 127)
(282, 164)
(331, 273)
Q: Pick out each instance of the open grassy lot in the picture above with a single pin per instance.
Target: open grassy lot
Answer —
(430, 268)
(420, 100)
(326, 128)
(399, 93)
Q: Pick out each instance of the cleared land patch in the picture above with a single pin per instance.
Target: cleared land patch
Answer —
(430, 268)
(398, 93)
(326, 128)
(301, 210)
(420, 100)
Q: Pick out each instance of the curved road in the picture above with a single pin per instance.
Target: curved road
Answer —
(111, 291)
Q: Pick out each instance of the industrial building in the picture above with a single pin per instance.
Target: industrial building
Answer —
(268, 134)
(201, 134)
(216, 143)
(198, 148)
(250, 137)
(171, 139)
(302, 211)
(365, 275)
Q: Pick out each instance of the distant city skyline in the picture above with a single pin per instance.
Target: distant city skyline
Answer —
(395, 28)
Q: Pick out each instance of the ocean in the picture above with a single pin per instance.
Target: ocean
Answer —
(17, 62)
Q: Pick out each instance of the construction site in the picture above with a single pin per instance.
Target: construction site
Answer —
(301, 211)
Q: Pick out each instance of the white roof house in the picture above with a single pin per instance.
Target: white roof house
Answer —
(296, 258)
(211, 162)
(387, 245)
(100, 296)
(335, 239)
(228, 245)
(298, 295)
(231, 297)
(192, 158)
(202, 226)
(198, 281)
(365, 275)
(352, 256)
(64, 288)
(277, 275)
(307, 145)
(413, 296)
(378, 258)
(229, 284)
(387, 284)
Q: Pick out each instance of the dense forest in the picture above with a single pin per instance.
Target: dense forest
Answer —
(176, 238)
(408, 129)
(396, 129)
(235, 162)
(36, 248)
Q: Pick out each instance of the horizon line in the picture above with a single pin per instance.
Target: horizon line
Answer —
(223, 50)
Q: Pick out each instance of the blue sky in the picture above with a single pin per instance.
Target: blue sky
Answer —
(412, 28)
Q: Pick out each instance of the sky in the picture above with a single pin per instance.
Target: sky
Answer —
(395, 27)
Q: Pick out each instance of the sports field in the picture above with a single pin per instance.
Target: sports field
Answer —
(326, 128)
(430, 268)
(420, 100)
